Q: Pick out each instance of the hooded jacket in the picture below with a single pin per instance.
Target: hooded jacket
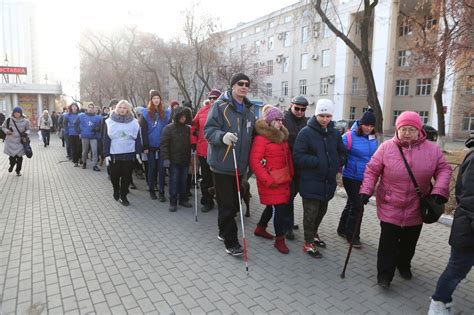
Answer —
(270, 151)
(175, 140)
(198, 127)
(361, 150)
(397, 201)
(319, 153)
(224, 117)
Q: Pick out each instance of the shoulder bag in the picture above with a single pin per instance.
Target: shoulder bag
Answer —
(25, 141)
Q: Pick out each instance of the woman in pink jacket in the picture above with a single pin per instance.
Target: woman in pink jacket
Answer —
(398, 206)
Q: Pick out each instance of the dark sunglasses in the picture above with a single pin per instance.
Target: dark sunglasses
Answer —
(300, 109)
(246, 84)
(212, 98)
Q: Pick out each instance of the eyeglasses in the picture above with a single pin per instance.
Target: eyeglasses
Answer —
(407, 129)
(212, 98)
(278, 120)
(299, 109)
(246, 84)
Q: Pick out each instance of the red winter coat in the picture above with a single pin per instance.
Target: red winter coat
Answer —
(270, 151)
(397, 200)
(198, 124)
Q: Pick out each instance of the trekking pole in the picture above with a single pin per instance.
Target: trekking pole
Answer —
(241, 212)
(356, 231)
(195, 187)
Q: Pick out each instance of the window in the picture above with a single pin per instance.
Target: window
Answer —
(302, 87)
(326, 31)
(270, 67)
(326, 58)
(244, 34)
(271, 24)
(396, 113)
(288, 19)
(470, 84)
(284, 88)
(270, 42)
(468, 122)
(304, 34)
(424, 116)
(232, 38)
(403, 56)
(255, 89)
(352, 112)
(255, 68)
(355, 61)
(286, 39)
(269, 91)
(423, 87)
(324, 86)
(357, 28)
(258, 29)
(285, 64)
(355, 85)
(401, 87)
(304, 61)
(405, 28)
(257, 46)
(430, 22)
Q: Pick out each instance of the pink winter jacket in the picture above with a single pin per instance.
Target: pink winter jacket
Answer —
(397, 200)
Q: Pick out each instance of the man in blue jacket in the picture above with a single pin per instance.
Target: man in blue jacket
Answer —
(88, 125)
(230, 123)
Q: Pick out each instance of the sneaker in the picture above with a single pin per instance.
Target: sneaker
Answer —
(124, 201)
(384, 283)
(96, 168)
(185, 204)
(356, 243)
(220, 238)
(235, 250)
(18, 173)
(10, 169)
(116, 196)
(318, 241)
(405, 273)
(311, 250)
(162, 197)
(290, 235)
(84, 166)
(76, 164)
(440, 308)
(173, 208)
(207, 208)
(153, 195)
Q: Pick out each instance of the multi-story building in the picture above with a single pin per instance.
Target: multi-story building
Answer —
(298, 55)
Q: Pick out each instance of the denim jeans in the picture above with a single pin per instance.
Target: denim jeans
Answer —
(178, 175)
(459, 265)
(155, 168)
(45, 134)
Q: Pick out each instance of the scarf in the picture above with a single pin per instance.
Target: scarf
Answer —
(121, 119)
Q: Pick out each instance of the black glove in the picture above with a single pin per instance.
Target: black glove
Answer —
(193, 147)
(364, 198)
(196, 132)
(439, 199)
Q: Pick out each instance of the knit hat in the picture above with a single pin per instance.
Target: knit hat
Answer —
(470, 141)
(237, 77)
(215, 93)
(174, 103)
(409, 119)
(154, 93)
(324, 107)
(266, 107)
(271, 114)
(17, 109)
(368, 118)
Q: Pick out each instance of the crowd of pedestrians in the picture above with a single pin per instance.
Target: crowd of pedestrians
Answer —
(288, 152)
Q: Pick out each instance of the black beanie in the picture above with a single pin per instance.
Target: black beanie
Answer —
(368, 118)
(470, 141)
(237, 77)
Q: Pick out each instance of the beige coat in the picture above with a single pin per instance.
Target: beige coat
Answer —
(45, 123)
(13, 145)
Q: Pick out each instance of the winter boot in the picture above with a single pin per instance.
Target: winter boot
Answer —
(173, 206)
(12, 164)
(260, 231)
(162, 197)
(153, 195)
(280, 244)
(440, 308)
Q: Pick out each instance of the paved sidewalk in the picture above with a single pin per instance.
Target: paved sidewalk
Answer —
(68, 247)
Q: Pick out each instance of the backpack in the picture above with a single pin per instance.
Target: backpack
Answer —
(3, 135)
(349, 140)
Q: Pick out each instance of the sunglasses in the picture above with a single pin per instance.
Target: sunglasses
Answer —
(212, 98)
(246, 84)
(299, 109)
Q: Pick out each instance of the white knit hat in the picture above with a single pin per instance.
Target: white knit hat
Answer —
(324, 107)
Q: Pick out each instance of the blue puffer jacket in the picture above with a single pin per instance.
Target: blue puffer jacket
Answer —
(318, 152)
(151, 129)
(89, 125)
(68, 122)
(361, 150)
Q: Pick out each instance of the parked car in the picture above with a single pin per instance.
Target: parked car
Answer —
(344, 125)
(431, 133)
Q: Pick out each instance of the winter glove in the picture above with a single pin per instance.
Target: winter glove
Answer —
(439, 199)
(166, 163)
(193, 147)
(364, 198)
(139, 158)
(229, 138)
(107, 160)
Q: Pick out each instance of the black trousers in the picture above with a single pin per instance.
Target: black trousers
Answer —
(76, 148)
(120, 176)
(352, 210)
(228, 206)
(16, 160)
(206, 183)
(281, 218)
(396, 248)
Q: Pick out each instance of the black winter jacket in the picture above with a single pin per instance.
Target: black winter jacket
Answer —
(175, 142)
(462, 230)
(318, 152)
(294, 126)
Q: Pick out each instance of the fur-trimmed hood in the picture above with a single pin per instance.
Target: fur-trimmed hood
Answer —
(275, 135)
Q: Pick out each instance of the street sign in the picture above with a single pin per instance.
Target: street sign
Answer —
(13, 70)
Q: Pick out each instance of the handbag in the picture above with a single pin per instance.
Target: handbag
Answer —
(281, 176)
(25, 141)
(431, 210)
